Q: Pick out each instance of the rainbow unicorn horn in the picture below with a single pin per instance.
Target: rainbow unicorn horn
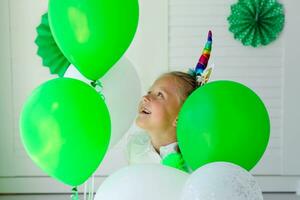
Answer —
(203, 60)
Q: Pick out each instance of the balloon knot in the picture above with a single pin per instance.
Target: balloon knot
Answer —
(98, 87)
(74, 195)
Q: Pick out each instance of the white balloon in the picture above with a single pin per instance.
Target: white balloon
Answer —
(122, 91)
(221, 181)
(143, 182)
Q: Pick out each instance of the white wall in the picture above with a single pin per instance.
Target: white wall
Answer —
(270, 71)
(161, 31)
(22, 71)
(261, 69)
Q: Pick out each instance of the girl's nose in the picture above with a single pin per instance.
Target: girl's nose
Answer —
(146, 98)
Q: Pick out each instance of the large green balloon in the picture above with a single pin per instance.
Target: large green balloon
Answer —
(93, 34)
(65, 128)
(223, 121)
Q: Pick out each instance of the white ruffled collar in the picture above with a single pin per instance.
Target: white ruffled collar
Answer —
(141, 145)
(166, 150)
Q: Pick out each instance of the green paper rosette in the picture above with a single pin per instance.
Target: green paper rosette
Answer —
(256, 22)
(48, 50)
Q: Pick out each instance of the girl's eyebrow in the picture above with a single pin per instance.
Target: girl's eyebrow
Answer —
(160, 88)
(164, 89)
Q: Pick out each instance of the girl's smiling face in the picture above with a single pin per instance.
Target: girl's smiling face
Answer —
(159, 108)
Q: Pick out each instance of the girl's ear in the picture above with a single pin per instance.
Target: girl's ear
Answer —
(175, 122)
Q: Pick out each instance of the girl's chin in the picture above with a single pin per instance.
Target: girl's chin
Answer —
(141, 123)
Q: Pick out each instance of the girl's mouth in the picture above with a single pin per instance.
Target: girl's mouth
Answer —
(145, 111)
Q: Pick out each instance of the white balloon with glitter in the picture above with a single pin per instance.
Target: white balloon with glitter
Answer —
(221, 181)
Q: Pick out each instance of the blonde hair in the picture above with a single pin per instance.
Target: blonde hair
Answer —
(186, 83)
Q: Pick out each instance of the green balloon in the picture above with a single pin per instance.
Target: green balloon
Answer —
(223, 121)
(65, 128)
(93, 34)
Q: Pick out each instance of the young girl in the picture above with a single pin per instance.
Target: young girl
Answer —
(156, 141)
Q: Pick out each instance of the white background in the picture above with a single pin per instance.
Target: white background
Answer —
(170, 36)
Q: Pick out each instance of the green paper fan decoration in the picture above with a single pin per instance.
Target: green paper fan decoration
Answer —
(48, 50)
(256, 22)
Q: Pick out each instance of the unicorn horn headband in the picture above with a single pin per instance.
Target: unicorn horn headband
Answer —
(201, 72)
(203, 60)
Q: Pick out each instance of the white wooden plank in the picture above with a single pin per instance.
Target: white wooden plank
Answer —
(206, 10)
(291, 114)
(6, 100)
(254, 71)
(27, 70)
(223, 62)
(220, 39)
(269, 165)
(227, 52)
(200, 21)
(200, 3)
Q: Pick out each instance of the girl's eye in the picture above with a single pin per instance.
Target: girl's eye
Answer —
(160, 94)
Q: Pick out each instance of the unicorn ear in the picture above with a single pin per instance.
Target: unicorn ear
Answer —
(203, 79)
(203, 60)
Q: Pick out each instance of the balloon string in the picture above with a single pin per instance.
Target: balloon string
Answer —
(92, 189)
(98, 87)
(89, 189)
(85, 189)
(74, 195)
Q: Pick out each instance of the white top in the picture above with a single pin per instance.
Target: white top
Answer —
(141, 151)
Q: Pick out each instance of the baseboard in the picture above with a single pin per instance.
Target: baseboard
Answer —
(43, 185)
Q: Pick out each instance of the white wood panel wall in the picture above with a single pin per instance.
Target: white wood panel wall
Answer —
(261, 69)
(6, 108)
(22, 71)
(291, 97)
(170, 36)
